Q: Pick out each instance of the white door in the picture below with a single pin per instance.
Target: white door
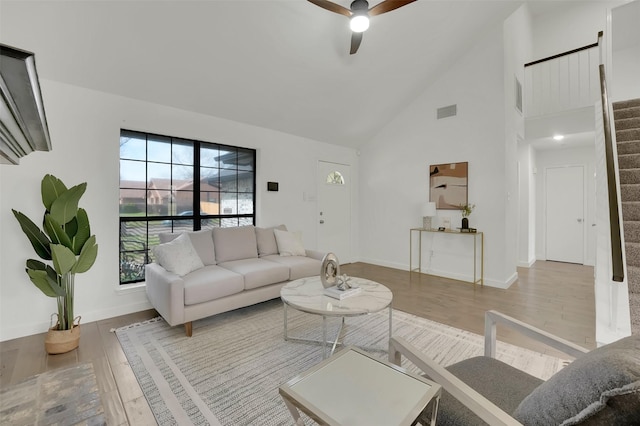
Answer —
(565, 214)
(334, 209)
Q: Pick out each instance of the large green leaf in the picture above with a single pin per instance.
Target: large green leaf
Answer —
(51, 189)
(55, 232)
(63, 258)
(83, 231)
(40, 266)
(43, 281)
(38, 239)
(71, 228)
(65, 207)
(87, 256)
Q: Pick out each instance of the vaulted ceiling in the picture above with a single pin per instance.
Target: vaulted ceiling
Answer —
(279, 64)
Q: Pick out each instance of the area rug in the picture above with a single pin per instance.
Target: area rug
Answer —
(229, 372)
(65, 396)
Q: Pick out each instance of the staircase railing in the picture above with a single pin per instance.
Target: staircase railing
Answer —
(617, 260)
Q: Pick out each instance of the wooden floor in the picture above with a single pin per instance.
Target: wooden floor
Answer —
(556, 297)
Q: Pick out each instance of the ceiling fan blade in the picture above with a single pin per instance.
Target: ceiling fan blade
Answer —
(387, 6)
(332, 7)
(356, 39)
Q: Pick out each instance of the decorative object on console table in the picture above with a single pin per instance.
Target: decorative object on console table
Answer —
(428, 211)
(466, 212)
(448, 185)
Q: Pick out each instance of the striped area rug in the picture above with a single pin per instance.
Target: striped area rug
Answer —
(229, 372)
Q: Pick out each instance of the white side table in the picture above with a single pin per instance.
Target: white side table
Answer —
(351, 388)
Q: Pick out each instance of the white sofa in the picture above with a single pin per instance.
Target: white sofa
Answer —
(203, 273)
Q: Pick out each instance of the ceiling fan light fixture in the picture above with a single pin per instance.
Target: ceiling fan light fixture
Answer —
(359, 23)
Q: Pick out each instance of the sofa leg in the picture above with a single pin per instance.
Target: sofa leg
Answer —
(188, 328)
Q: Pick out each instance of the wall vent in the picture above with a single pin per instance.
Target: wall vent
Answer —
(448, 111)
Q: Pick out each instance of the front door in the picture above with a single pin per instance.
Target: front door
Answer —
(565, 214)
(334, 209)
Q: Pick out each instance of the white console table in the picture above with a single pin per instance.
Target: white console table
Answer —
(476, 236)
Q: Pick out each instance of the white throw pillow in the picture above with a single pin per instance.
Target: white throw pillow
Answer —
(178, 256)
(289, 243)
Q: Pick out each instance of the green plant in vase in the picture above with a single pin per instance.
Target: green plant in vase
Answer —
(65, 241)
(466, 210)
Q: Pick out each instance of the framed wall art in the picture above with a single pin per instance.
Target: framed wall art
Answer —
(448, 184)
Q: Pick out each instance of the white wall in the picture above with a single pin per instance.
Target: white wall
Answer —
(584, 156)
(394, 167)
(626, 52)
(517, 48)
(569, 28)
(85, 127)
(527, 206)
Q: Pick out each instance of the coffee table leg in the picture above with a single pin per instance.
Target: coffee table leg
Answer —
(294, 413)
(434, 412)
(335, 343)
(390, 321)
(286, 331)
(324, 336)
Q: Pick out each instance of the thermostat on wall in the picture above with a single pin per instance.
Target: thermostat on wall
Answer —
(272, 186)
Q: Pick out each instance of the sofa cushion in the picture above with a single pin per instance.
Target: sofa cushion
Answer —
(600, 387)
(299, 266)
(209, 283)
(258, 272)
(235, 243)
(289, 243)
(178, 256)
(202, 242)
(267, 244)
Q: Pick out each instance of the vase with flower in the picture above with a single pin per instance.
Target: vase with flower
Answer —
(466, 210)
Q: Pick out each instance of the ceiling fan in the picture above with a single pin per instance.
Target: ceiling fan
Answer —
(359, 15)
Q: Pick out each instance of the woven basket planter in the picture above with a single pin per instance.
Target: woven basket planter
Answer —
(62, 341)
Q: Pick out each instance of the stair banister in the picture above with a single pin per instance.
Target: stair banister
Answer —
(617, 260)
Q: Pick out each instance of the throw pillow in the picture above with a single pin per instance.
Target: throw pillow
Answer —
(289, 243)
(202, 242)
(235, 243)
(600, 387)
(178, 256)
(267, 244)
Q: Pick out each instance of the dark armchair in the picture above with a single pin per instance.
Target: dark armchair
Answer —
(600, 387)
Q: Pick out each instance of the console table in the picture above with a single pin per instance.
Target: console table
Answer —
(475, 237)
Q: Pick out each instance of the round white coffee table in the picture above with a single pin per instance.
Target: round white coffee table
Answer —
(307, 295)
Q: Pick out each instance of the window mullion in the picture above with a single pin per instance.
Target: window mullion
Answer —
(197, 221)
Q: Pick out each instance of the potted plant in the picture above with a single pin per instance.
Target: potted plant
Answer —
(466, 212)
(67, 242)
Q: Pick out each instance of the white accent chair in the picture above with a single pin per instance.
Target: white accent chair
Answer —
(599, 387)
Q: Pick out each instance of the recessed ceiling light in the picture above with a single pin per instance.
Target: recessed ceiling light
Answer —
(558, 137)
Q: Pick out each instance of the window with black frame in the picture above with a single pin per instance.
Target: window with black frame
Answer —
(170, 184)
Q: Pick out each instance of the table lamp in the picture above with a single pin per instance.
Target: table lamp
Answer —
(428, 211)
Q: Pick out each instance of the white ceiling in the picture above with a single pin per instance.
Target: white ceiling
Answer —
(279, 64)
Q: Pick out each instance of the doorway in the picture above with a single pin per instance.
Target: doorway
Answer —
(564, 219)
(334, 209)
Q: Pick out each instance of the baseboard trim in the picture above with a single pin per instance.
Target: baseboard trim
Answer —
(526, 264)
(444, 274)
(87, 317)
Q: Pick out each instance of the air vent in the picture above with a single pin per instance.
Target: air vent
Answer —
(518, 95)
(448, 111)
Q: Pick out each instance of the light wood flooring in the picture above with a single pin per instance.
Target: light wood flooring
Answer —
(556, 297)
